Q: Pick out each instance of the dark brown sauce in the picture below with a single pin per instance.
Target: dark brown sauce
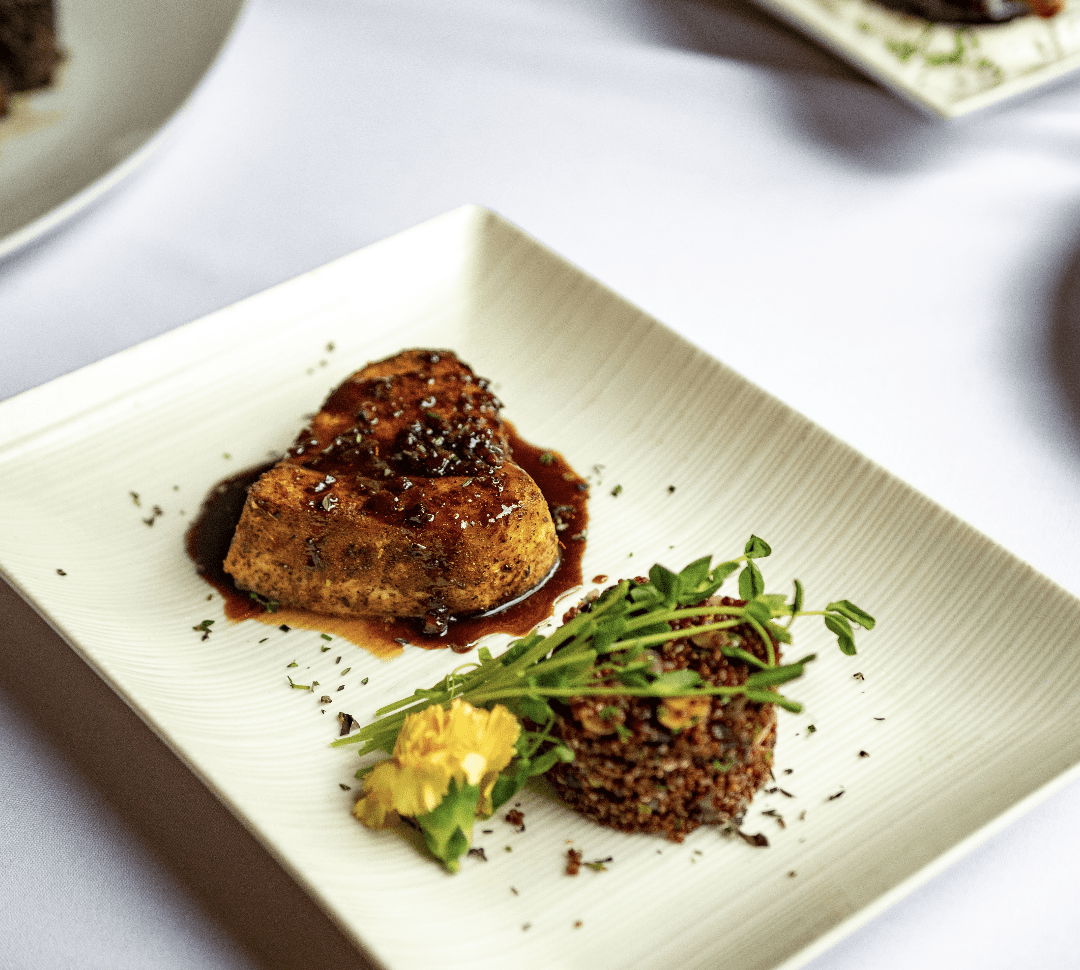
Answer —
(566, 493)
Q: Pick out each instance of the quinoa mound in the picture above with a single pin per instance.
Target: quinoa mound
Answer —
(667, 765)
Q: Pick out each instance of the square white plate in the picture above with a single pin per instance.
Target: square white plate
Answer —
(946, 69)
(961, 736)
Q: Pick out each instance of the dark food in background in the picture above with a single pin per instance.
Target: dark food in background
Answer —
(976, 11)
(666, 766)
(28, 49)
(402, 499)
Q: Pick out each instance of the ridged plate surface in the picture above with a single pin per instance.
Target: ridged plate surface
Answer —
(958, 737)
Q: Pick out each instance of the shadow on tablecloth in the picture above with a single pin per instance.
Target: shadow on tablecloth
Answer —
(832, 102)
(1061, 344)
(224, 870)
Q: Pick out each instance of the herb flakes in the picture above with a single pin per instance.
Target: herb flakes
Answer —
(347, 721)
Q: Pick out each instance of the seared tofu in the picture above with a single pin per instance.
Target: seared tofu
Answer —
(401, 499)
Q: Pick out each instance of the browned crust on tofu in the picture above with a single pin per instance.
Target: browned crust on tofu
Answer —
(401, 499)
(667, 766)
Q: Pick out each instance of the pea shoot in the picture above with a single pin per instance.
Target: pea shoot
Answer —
(603, 651)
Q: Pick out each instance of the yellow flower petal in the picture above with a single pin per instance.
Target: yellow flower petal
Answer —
(469, 744)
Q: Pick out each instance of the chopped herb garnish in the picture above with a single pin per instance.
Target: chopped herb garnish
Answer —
(810, 729)
(284, 628)
(60, 572)
(294, 664)
(364, 681)
(296, 686)
(617, 491)
(345, 671)
(546, 458)
(326, 636)
(267, 604)
(344, 787)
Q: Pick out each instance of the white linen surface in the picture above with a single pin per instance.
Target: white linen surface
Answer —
(910, 284)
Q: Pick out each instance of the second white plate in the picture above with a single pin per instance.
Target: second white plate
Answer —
(945, 69)
(129, 68)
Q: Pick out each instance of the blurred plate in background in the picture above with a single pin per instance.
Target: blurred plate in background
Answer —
(129, 68)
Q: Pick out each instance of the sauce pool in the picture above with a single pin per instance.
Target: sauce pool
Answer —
(566, 493)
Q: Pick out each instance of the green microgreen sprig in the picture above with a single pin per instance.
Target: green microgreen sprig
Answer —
(601, 652)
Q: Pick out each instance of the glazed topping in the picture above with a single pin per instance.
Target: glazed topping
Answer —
(436, 421)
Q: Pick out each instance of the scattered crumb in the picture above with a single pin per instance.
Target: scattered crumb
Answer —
(517, 819)
(864, 754)
(60, 572)
(573, 862)
(758, 841)
(478, 851)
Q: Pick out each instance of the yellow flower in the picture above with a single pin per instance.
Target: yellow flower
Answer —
(435, 745)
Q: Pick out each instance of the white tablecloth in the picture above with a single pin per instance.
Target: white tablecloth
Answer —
(912, 285)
